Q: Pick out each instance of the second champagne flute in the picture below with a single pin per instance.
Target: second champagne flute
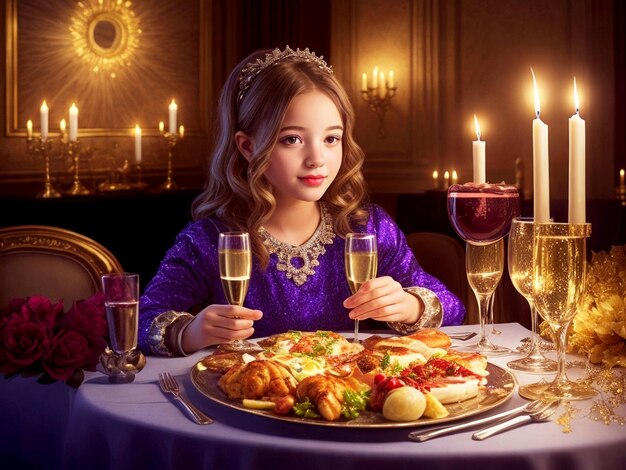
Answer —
(484, 265)
(361, 260)
(235, 261)
(521, 238)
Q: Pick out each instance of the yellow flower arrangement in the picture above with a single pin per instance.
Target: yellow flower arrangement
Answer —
(599, 328)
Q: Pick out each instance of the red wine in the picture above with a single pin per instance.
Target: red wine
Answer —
(482, 213)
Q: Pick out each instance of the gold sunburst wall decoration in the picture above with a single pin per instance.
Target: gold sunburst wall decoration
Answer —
(105, 35)
(121, 61)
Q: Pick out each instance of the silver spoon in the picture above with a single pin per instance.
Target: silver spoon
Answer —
(532, 407)
(538, 417)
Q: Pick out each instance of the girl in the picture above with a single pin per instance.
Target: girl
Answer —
(287, 170)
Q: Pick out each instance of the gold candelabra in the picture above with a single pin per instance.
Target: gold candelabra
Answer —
(378, 99)
(171, 139)
(72, 150)
(39, 146)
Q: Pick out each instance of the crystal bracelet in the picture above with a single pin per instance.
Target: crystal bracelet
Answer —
(156, 336)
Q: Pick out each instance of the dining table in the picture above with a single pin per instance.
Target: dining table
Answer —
(102, 425)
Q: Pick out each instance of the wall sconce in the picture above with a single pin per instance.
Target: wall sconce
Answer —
(377, 94)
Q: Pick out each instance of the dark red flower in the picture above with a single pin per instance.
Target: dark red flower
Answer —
(23, 342)
(65, 354)
(87, 317)
(41, 309)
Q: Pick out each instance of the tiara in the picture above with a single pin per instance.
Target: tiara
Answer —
(252, 69)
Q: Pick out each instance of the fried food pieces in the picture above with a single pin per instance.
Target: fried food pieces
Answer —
(327, 393)
(321, 373)
(257, 380)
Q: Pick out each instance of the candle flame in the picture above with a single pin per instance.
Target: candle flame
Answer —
(454, 175)
(477, 127)
(446, 175)
(537, 107)
(62, 125)
(44, 106)
(621, 172)
(161, 126)
(173, 105)
(576, 103)
(436, 174)
(137, 129)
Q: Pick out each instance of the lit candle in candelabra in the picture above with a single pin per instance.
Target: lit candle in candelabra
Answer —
(576, 207)
(364, 82)
(62, 126)
(29, 129)
(455, 177)
(137, 144)
(541, 175)
(392, 79)
(173, 110)
(436, 179)
(181, 131)
(621, 177)
(161, 126)
(478, 156)
(43, 113)
(375, 78)
(73, 123)
(446, 179)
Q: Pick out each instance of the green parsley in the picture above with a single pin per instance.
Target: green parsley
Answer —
(305, 409)
(354, 402)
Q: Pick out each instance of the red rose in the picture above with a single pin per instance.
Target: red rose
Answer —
(22, 341)
(41, 309)
(65, 354)
(87, 317)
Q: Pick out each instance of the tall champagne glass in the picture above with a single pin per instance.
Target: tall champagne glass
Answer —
(484, 265)
(559, 266)
(520, 257)
(235, 261)
(361, 260)
(481, 215)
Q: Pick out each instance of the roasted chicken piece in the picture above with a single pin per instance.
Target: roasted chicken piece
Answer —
(327, 393)
(260, 379)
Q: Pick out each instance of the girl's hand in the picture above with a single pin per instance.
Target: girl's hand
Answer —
(384, 299)
(219, 324)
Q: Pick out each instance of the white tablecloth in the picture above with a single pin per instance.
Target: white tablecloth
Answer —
(135, 425)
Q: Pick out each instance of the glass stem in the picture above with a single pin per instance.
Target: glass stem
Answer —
(561, 343)
(535, 351)
(483, 311)
(356, 331)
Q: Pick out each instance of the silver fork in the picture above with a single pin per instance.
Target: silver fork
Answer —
(537, 417)
(532, 407)
(169, 385)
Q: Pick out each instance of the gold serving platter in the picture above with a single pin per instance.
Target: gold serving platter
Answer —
(499, 388)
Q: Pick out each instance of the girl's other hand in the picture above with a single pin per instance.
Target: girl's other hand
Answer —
(219, 324)
(384, 299)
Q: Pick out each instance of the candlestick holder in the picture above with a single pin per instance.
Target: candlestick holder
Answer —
(620, 194)
(37, 146)
(379, 102)
(72, 150)
(171, 139)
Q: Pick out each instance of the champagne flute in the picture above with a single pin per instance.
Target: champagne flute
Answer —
(484, 265)
(520, 257)
(235, 262)
(121, 303)
(559, 265)
(361, 260)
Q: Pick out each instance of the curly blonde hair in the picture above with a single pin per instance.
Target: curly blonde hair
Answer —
(236, 191)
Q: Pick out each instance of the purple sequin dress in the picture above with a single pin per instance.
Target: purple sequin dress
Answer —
(188, 279)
